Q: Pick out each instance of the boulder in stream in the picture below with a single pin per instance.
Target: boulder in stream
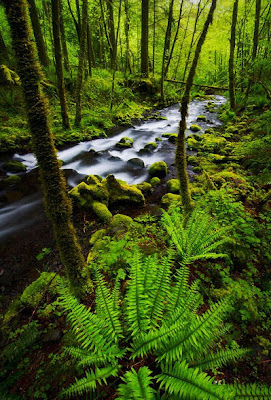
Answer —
(195, 128)
(158, 169)
(173, 186)
(137, 162)
(120, 192)
(125, 142)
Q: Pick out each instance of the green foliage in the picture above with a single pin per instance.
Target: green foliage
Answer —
(158, 318)
(196, 238)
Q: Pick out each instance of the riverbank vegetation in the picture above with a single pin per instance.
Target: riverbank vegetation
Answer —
(154, 290)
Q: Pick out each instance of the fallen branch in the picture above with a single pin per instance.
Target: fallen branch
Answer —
(195, 84)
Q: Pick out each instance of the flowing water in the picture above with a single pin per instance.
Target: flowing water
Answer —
(22, 208)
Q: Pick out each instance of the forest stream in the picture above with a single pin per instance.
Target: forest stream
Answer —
(22, 219)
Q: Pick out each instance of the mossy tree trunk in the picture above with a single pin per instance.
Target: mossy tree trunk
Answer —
(80, 71)
(4, 57)
(57, 203)
(59, 66)
(180, 158)
(145, 38)
(128, 64)
(255, 40)
(43, 56)
(111, 33)
(231, 59)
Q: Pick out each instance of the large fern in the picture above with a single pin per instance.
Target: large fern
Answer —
(157, 325)
(196, 238)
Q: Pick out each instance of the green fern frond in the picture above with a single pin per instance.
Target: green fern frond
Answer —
(220, 358)
(251, 392)
(189, 383)
(193, 339)
(87, 359)
(159, 294)
(149, 267)
(180, 288)
(90, 381)
(195, 239)
(92, 333)
(20, 345)
(107, 311)
(137, 385)
(136, 299)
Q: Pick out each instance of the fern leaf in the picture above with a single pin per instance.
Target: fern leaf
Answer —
(190, 383)
(107, 311)
(220, 358)
(90, 381)
(137, 385)
(251, 392)
(137, 302)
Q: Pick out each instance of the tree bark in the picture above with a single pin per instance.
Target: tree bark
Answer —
(231, 59)
(59, 65)
(166, 48)
(63, 39)
(145, 38)
(128, 66)
(80, 73)
(111, 33)
(3, 50)
(58, 205)
(255, 40)
(42, 52)
(180, 157)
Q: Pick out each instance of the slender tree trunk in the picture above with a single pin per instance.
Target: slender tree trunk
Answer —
(174, 40)
(145, 38)
(231, 59)
(255, 40)
(180, 158)
(59, 66)
(43, 56)
(115, 66)
(153, 38)
(128, 66)
(80, 73)
(63, 40)
(3, 50)
(192, 40)
(89, 46)
(58, 205)
(166, 48)
(76, 23)
(183, 40)
(111, 32)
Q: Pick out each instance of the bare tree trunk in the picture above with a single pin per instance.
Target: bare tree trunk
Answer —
(80, 73)
(58, 205)
(183, 40)
(153, 38)
(145, 38)
(59, 66)
(89, 46)
(231, 59)
(42, 52)
(3, 50)
(111, 32)
(63, 40)
(174, 40)
(128, 66)
(166, 48)
(76, 23)
(180, 157)
(115, 67)
(255, 40)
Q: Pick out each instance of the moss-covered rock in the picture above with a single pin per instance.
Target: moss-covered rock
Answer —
(158, 139)
(10, 180)
(155, 181)
(84, 194)
(120, 222)
(173, 186)
(137, 162)
(93, 180)
(125, 142)
(213, 144)
(169, 199)
(172, 137)
(193, 160)
(192, 143)
(144, 187)
(195, 128)
(101, 211)
(202, 118)
(120, 192)
(196, 136)
(158, 169)
(150, 146)
(197, 169)
(96, 236)
(14, 166)
(216, 158)
(209, 130)
(34, 292)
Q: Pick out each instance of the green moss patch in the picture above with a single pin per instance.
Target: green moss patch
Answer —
(158, 169)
